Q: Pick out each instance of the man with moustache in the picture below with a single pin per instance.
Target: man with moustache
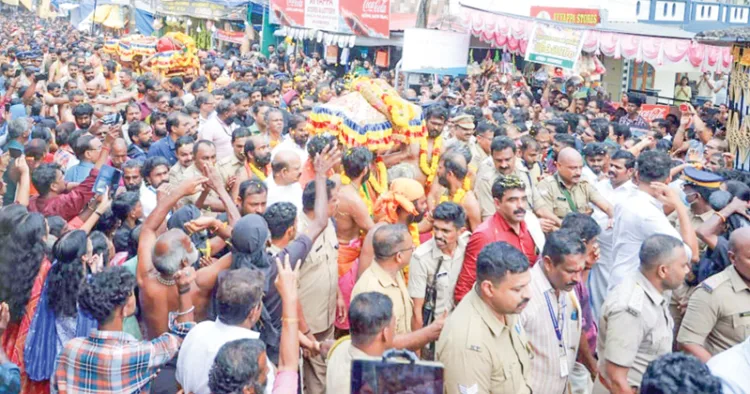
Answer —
(142, 137)
(229, 165)
(553, 318)
(502, 161)
(452, 171)
(566, 192)
(257, 159)
(616, 188)
(131, 175)
(284, 185)
(435, 118)
(184, 148)
(483, 345)
(508, 224)
(636, 327)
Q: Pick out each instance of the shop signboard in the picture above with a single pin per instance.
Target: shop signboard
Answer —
(555, 46)
(440, 52)
(576, 16)
(366, 18)
(204, 9)
(236, 37)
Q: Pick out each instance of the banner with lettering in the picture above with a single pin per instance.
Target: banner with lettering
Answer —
(366, 18)
(235, 37)
(555, 46)
(577, 16)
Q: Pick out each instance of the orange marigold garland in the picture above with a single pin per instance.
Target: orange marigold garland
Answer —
(431, 169)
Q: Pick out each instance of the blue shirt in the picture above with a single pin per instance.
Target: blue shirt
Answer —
(165, 148)
(78, 172)
(10, 376)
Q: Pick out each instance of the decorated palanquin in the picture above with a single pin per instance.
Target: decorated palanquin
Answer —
(371, 114)
(172, 54)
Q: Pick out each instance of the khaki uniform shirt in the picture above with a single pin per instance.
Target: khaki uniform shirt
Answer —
(118, 91)
(376, 279)
(193, 172)
(478, 155)
(550, 196)
(718, 313)
(635, 327)
(482, 355)
(177, 174)
(339, 367)
(319, 278)
(422, 267)
(228, 167)
(483, 186)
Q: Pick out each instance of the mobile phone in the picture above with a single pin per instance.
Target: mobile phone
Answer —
(18, 73)
(109, 177)
(111, 119)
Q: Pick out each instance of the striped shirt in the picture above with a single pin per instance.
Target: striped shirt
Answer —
(537, 322)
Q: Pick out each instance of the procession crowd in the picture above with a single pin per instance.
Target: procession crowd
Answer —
(188, 232)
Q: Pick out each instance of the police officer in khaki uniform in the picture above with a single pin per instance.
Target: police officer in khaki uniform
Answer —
(502, 161)
(566, 192)
(636, 327)
(718, 313)
(228, 166)
(698, 186)
(393, 248)
(372, 327)
(483, 345)
(318, 285)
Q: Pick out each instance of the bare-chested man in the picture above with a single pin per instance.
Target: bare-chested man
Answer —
(453, 171)
(160, 257)
(435, 118)
(404, 203)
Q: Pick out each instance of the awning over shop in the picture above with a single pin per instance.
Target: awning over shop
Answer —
(656, 45)
(109, 16)
(340, 40)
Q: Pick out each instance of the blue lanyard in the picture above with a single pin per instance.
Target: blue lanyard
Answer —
(557, 323)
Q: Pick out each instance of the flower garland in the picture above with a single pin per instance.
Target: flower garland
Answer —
(252, 168)
(414, 231)
(430, 170)
(273, 143)
(379, 183)
(458, 197)
(345, 180)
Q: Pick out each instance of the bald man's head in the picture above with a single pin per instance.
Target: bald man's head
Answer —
(119, 153)
(739, 251)
(286, 167)
(569, 166)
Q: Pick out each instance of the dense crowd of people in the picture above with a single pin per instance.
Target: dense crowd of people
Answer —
(163, 233)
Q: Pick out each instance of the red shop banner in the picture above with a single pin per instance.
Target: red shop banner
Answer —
(289, 12)
(366, 18)
(576, 16)
(236, 37)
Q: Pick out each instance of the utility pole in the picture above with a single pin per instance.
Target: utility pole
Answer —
(131, 25)
(423, 10)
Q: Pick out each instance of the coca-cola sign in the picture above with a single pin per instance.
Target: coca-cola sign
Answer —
(368, 18)
(651, 112)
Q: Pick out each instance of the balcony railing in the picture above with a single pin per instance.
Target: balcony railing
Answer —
(693, 15)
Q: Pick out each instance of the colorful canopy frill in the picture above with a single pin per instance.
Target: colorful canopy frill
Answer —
(512, 34)
(169, 62)
(372, 115)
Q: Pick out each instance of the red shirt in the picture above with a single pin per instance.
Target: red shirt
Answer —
(494, 229)
(67, 205)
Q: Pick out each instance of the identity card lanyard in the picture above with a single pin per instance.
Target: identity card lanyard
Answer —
(558, 322)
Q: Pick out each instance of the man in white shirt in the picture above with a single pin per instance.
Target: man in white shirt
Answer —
(296, 141)
(643, 215)
(616, 189)
(218, 129)
(284, 185)
(732, 366)
(155, 171)
(238, 295)
(553, 320)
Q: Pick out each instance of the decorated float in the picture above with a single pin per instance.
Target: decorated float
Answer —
(372, 114)
(169, 55)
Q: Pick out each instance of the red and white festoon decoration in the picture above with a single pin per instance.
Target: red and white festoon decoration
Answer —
(512, 34)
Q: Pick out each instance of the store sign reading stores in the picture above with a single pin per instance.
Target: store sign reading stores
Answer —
(555, 46)
(368, 18)
(577, 16)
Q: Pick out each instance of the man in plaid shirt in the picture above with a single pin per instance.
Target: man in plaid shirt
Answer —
(633, 119)
(110, 360)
